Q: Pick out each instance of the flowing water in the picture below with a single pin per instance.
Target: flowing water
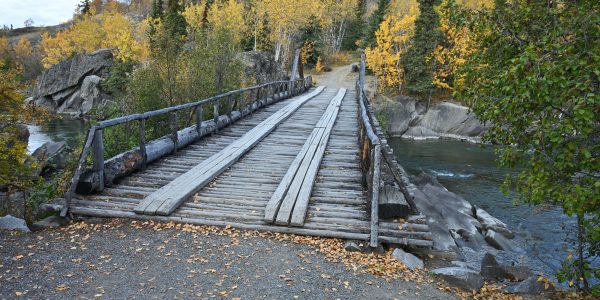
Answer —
(470, 171)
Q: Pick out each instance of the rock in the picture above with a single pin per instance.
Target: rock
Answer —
(51, 156)
(90, 93)
(261, 66)
(59, 88)
(11, 202)
(491, 269)
(517, 273)
(529, 286)
(446, 212)
(500, 242)
(49, 222)
(490, 222)
(409, 260)
(461, 277)
(70, 73)
(353, 246)
(9, 222)
(355, 68)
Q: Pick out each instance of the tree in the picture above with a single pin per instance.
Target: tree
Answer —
(534, 79)
(28, 22)
(84, 7)
(417, 62)
(374, 21)
(92, 32)
(392, 40)
(456, 49)
(356, 27)
(27, 58)
(15, 172)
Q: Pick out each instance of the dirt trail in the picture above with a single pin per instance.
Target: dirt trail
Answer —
(339, 77)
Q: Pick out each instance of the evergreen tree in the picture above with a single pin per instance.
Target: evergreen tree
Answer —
(174, 23)
(356, 27)
(156, 15)
(84, 7)
(417, 62)
(374, 21)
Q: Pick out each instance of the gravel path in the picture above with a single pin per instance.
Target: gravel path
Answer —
(124, 259)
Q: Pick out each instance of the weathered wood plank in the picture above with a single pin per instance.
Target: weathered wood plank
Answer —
(168, 198)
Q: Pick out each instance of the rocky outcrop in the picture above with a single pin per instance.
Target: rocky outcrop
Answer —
(261, 67)
(13, 224)
(410, 118)
(462, 277)
(72, 86)
(452, 220)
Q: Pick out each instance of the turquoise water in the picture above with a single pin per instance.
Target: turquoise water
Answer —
(470, 171)
(57, 129)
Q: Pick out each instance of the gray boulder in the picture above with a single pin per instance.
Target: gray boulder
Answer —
(70, 73)
(9, 222)
(529, 286)
(49, 222)
(500, 242)
(51, 156)
(409, 260)
(12, 202)
(461, 277)
(261, 66)
(71, 86)
(353, 246)
(490, 222)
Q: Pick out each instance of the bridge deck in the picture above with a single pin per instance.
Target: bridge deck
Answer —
(238, 197)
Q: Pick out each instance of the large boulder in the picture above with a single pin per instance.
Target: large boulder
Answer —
(463, 278)
(530, 286)
(60, 87)
(51, 156)
(261, 67)
(410, 261)
(409, 118)
(11, 223)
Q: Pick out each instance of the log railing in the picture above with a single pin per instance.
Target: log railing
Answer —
(104, 172)
(370, 155)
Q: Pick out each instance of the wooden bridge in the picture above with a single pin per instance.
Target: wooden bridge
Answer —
(282, 157)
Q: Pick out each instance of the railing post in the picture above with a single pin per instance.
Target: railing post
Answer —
(216, 105)
(229, 105)
(199, 116)
(174, 130)
(98, 155)
(361, 74)
(143, 143)
(376, 161)
(294, 71)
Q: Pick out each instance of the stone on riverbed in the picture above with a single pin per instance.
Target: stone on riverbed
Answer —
(9, 222)
(462, 277)
(409, 260)
(529, 286)
(500, 242)
(353, 246)
(490, 222)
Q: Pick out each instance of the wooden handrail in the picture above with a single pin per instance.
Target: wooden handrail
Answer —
(370, 155)
(274, 91)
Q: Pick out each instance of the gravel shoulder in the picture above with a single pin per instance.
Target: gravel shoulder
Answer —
(128, 259)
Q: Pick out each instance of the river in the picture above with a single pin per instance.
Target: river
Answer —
(71, 131)
(470, 171)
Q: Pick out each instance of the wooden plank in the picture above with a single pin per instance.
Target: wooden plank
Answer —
(302, 200)
(165, 200)
(314, 145)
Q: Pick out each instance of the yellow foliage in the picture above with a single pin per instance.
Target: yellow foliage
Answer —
(228, 16)
(92, 32)
(452, 55)
(23, 49)
(193, 15)
(392, 40)
(307, 51)
(319, 66)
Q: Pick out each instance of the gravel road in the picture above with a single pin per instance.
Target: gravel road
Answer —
(125, 259)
